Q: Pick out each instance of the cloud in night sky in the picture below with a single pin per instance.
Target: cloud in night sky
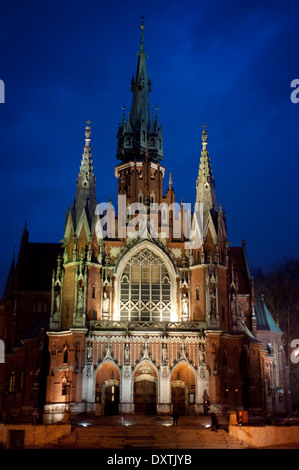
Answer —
(228, 64)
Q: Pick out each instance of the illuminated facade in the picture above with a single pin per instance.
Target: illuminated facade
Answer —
(155, 321)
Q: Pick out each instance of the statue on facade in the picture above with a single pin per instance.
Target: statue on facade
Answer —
(108, 352)
(80, 303)
(127, 354)
(57, 302)
(185, 306)
(145, 354)
(213, 303)
(89, 351)
(106, 303)
(164, 354)
(201, 355)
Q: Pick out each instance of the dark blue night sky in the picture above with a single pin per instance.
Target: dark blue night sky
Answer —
(228, 64)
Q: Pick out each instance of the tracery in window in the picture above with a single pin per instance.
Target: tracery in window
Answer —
(145, 289)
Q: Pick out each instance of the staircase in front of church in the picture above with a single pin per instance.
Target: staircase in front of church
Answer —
(151, 437)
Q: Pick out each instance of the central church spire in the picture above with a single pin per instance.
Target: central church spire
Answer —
(141, 88)
(140, 133)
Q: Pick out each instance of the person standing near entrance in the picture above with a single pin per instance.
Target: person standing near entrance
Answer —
(214, 423)
(175, 417)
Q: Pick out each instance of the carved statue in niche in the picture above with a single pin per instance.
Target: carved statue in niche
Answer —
(127, 354)
(108, 353)
(164, 354)
(106, 302)
(80, 304)
(212, 292)
(185, 305)
(145, 353)
(182, 350)
(201, 354)
(89, 351)
(213, 302)
(57, 300)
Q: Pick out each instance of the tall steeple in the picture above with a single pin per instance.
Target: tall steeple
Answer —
(139, 132)
(205, 184)
(141, 87)
(86, 183)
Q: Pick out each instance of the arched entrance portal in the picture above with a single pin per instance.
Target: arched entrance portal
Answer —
(183, 389)
(107, 390)
(145, 390)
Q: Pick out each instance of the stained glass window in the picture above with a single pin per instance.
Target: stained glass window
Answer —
(145, 292)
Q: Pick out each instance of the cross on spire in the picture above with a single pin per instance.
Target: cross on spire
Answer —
(88, 122)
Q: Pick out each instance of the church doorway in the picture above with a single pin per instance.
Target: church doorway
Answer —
(183, 389)
(178, 398)
(111, 399)
(145, 397)
(107, 390)
(145, 391)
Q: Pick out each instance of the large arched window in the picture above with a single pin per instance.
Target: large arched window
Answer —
(145, 288)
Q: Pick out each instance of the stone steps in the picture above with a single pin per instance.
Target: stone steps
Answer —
(138, 437)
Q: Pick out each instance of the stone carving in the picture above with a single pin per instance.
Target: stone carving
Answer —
(80, 303)
(201, 355)
(57, 302)
(89, 351)
(145, 353)
(165, 373)
(127, 354)
(182, 350)
(126, 372)
(164, 354)
(185, 305)
(106, 302)
(108, 354)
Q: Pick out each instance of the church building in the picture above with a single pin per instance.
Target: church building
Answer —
(150, 308)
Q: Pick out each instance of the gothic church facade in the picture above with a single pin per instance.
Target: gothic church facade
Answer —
(153, 322)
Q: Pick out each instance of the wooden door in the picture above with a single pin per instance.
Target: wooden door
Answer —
(145, 397)
(178, 400)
